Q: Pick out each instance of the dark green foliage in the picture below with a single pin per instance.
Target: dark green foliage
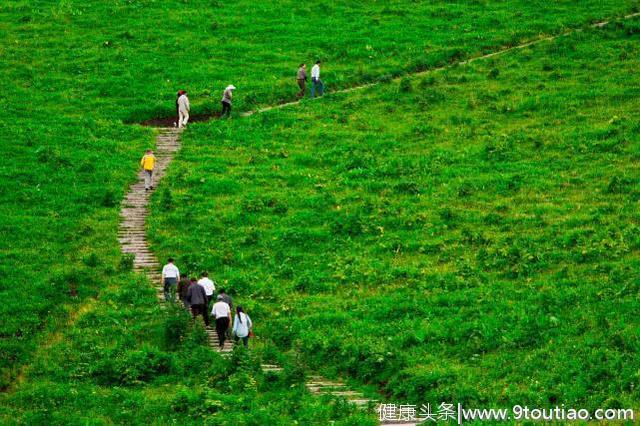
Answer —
(110, 199)
(411, 188)
(427, 81)
(619, 185)
(132, 367)
(175, 323)
(347, 224)
(91, 260)
(166, 199)
(405, 85)
(126, 262)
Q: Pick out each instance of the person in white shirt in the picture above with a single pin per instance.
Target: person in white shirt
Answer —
(221, 311)
(209, 286)
(227, 96)
(242, 326)
(183, 110)
(170, 277)
(316, 83)
(180, 93)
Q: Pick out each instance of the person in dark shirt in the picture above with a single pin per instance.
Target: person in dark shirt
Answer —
(226, 298)
(301, 78)
(197, 298)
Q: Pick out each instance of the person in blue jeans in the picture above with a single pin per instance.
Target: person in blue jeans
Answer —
(316, 83)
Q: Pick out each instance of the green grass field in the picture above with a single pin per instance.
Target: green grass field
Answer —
(467, 235)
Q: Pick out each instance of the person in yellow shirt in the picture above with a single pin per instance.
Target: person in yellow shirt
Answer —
(147, 163)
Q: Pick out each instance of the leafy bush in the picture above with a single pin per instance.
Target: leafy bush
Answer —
(405, 85)
(132, 367)
(345, 224)
(433, 383)
(176, 324)
(166, 199)
(110, 199)
(91, 260)
(126, 262)
(619, 185)
(408, 188)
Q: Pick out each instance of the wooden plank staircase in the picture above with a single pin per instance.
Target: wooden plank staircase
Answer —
(133, 241)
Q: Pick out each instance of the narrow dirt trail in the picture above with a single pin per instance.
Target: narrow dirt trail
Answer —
(465, 62)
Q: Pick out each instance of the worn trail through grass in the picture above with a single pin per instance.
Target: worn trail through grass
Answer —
(599, 24)
(135, 211)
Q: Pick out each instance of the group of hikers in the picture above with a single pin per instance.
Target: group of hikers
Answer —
(182, 98)
(183, 107)
(198, 295)
(316, 83)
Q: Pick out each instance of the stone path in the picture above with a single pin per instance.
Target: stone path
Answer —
(134, 209)
(133, 241)
(318, 385)
(134, 213)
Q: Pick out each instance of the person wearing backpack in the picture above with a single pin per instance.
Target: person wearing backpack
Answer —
(242, 326)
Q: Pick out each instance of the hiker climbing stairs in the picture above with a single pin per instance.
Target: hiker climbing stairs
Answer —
(212, 338)
(134, 212)
(133, 241)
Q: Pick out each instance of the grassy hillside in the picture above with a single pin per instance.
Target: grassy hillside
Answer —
(76, 70)
(468, 235)
(126, 361)
(127, 58)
